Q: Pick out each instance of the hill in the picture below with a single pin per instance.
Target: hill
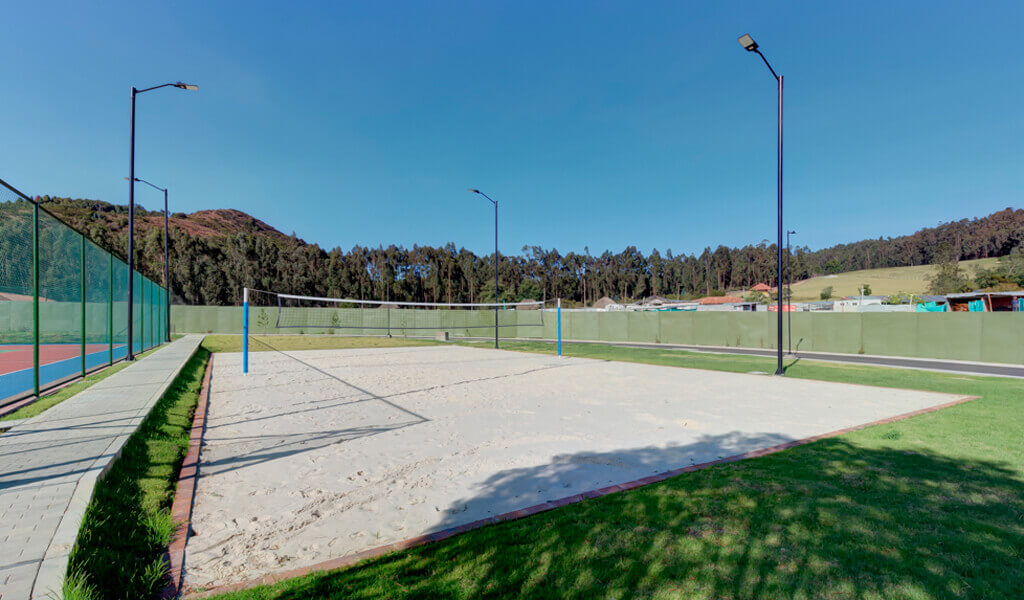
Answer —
(912, 280)
(114, 219)
(215, 253)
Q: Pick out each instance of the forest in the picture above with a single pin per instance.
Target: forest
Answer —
(210, 262)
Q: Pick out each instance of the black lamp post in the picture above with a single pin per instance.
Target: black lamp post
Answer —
(131, 207)
(748, 42)
(167, 276)
(789, 289)
(495, 203)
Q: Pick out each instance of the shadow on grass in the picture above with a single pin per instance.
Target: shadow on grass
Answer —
(827, 520)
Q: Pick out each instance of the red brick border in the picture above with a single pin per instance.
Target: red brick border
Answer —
(351, 559)
(181, 509)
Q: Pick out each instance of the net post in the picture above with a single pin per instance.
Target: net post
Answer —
(245, 330)
(110, 309)
(558, 322)
(35, 298)
(81, 279)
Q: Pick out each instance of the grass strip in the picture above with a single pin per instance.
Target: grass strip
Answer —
(47, 401)
(924, 509)
(126, 529)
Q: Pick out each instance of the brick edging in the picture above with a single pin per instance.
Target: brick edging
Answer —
(181, 509)
(352, 559)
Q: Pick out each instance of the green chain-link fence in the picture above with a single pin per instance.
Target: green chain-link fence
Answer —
(63, 302)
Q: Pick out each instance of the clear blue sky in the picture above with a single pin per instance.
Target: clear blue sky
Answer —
(599, 124)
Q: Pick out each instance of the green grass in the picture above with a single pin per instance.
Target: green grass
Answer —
(266, 343)
(127, 526)
(927, 508)
(66, 392)
(912, 280)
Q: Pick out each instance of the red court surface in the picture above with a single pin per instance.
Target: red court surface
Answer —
(17, 357)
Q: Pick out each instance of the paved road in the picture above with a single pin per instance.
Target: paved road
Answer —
(49, 466)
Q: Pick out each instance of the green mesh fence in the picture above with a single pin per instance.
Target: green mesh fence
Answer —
(986, 337)
(63, 301)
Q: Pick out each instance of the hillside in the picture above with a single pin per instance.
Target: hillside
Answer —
(114, 218)
(912, 280)
(217, 253)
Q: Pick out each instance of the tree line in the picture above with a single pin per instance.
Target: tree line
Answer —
(213, 269)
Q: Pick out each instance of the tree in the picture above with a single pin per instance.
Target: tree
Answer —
(948, 277)
(865, 289)
(826, 293)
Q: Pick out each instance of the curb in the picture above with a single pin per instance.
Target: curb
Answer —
(184, 495)
(352, 559)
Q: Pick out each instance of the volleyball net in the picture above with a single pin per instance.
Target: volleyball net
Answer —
(270, 313)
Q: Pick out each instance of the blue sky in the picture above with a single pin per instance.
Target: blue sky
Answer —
(600, 124)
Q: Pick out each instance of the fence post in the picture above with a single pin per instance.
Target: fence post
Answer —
(110, 308)
(559, 320)
(82, 281)
(142, 314)
(35, 298)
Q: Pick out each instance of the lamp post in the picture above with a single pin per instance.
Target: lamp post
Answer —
(495, 203)
(789, 290)
(131, 206)
(751, 46)
(167, 275)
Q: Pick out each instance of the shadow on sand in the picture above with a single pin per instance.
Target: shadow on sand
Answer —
(827, 520)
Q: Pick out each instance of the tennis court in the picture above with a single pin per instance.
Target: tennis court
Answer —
(321, 454)
(57, 362)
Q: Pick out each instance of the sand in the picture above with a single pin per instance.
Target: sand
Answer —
(320, 454)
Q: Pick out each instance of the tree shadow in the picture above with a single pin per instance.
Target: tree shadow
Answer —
(831, 519)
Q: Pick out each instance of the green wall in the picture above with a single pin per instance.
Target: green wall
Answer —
(986, 337)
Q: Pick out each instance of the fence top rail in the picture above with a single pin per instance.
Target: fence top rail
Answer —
(110, 251)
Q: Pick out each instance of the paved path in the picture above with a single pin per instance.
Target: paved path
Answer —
(49, 466)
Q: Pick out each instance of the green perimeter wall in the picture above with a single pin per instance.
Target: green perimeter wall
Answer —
(985, 337)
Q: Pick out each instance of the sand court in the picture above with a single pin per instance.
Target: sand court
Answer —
(320, 454)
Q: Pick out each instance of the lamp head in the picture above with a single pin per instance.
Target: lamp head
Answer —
(186, 86)
(474, 191)
(748, 42)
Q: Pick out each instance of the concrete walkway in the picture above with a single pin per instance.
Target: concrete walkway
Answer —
(49, 466)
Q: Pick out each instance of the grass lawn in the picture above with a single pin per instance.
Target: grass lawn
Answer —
(912, 280)
(931, 507)
(66, 392)
(266, 343)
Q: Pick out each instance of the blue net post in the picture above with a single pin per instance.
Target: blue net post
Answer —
(558, 322)
(245, 330)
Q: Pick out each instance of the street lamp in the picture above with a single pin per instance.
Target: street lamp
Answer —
(495, 203)
(789, 290)
(751, 46)
(131, 206)
(167, 276)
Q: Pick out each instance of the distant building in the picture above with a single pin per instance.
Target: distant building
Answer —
(764, 288)
(856, 303)
(711, 300)
(654, 301)
(986, 302)
(604, 303)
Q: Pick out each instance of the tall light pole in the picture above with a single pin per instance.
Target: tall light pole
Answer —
(131, 206)
(751, 46)
(495, 203)
(167, 275)
(789, 290)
